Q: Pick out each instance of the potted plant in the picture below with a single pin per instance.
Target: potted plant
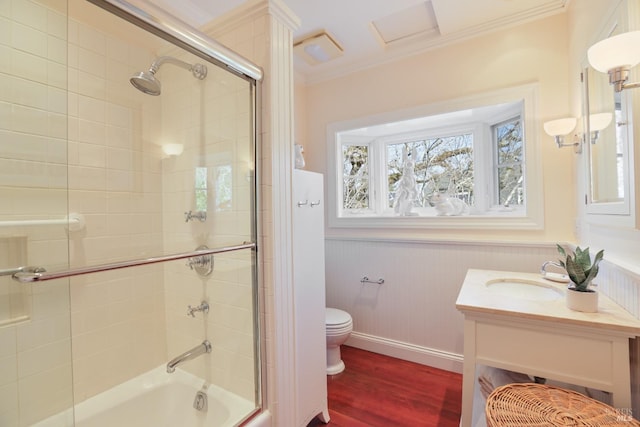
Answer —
(581, 272)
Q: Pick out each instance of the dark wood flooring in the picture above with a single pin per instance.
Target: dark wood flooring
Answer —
(377, 390)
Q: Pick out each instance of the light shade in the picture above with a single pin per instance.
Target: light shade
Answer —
(560, 127)
(172, 149)
(622, 50)
(599, 121)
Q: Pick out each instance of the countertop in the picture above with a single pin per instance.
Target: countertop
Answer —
(476, 297)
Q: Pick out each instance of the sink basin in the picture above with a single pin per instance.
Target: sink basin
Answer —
(523, 289)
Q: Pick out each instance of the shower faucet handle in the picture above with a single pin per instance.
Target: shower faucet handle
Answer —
(199, 215)
(203, 307)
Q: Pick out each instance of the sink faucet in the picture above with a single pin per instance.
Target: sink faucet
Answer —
(543, 269)
(198, 350)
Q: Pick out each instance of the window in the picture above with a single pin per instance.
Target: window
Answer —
(466, 167)
(509, 149)
(441, 164)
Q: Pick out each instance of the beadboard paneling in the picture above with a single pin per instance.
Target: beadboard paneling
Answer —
(413, 313)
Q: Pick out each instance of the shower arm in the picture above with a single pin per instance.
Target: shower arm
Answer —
(162, 59)
(198, 70)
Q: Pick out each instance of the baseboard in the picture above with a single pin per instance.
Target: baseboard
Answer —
(405, 351)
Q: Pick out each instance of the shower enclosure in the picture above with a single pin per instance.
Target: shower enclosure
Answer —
(126, 206)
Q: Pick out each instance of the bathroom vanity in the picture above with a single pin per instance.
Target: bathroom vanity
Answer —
(519, 322)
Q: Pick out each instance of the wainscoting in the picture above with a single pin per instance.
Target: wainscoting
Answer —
(412, 315)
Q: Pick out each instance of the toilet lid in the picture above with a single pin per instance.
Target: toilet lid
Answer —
(337, 317)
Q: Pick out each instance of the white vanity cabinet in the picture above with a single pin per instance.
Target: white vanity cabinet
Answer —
(542, 337)
(309, 297)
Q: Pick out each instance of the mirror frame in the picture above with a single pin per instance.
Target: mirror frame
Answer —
(620, 213)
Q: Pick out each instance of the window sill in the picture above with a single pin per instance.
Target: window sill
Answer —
(493, 221)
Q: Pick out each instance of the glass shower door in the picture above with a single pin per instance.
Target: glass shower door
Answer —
(35, 344)
(88, 177)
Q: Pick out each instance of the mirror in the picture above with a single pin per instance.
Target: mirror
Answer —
(607, 142)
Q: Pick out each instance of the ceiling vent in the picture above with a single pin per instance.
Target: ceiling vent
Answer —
(318, 48)
(413, 23)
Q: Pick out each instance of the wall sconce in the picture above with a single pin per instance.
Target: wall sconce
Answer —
(597, 122)
(559, 129)
(172, 150)
(617, 55)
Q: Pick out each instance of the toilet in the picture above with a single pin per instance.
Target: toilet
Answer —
(339, 326)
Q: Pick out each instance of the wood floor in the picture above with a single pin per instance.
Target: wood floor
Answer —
(377, 390)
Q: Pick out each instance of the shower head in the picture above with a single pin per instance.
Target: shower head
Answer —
(147, 82)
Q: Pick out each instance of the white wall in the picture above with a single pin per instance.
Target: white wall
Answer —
(531, 53)
(621, 243)
(620, 272)
(413, 315)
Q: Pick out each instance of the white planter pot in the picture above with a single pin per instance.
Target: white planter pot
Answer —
(582, 301)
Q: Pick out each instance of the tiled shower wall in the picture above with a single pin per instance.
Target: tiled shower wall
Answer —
(212, 119)
(115, 179)
(128, 321)
(33, 177)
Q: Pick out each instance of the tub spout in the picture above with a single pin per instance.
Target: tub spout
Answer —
(198, 350)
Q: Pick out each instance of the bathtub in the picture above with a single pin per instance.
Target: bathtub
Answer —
(158, 399)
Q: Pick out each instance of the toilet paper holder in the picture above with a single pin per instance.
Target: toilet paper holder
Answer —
(365, 279)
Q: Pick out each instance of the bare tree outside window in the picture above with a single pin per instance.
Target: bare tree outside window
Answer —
(443, 165)
(509, 164)
(355, 177)
(407, 169)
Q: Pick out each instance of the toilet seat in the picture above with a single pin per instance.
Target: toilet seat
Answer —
(338, 322)
(337, 318)
(340, 331)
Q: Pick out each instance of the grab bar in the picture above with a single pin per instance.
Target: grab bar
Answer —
(27, 269)
(365, 279)
(28, 277)
(74, 221)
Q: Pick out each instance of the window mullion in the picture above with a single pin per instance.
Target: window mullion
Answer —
(377, 177)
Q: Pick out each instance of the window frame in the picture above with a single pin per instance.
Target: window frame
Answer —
(383, 142)
(496, 164)
(532, 216)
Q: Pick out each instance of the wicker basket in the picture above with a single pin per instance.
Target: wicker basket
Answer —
(525, 404)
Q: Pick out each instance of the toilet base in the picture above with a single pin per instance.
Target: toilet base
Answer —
(335, 369)
(335, 365)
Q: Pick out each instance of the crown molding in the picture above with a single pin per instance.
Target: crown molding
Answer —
(249, 12)
(418, 45)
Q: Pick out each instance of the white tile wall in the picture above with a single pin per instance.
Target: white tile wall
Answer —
(229, 324)
(33, 177)
(53, 89)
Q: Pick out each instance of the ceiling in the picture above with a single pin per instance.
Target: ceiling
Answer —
(376, 31)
